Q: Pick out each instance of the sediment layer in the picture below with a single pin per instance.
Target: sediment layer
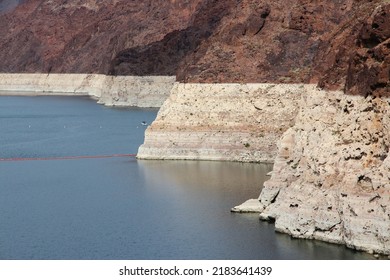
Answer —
(235, 122)
(149, 91)
(331, 176)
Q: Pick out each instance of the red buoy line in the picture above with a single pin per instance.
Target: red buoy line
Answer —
(69, 157)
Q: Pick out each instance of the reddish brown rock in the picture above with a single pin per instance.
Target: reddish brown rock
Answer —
(356, 57)
(369, 69)
(341, 44)
(280, 47)
(84, 36)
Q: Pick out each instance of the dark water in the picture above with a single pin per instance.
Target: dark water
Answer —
(120, 208)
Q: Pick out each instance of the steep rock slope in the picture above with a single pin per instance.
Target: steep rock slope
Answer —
(83, 36)
(204, 40)
(245, 41)
(331, 175)
(332, 172)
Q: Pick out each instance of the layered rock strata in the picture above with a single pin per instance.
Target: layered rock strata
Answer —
(108, 90)
(331, 176)
(236, 122)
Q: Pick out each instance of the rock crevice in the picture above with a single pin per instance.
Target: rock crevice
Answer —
(330, 180)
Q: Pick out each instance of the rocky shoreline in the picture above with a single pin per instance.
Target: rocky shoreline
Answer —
(330, 150)
(331, 176)
(146, 91)
(233, 122)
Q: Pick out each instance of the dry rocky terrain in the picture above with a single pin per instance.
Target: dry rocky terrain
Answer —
(332, 166)
(340, 44)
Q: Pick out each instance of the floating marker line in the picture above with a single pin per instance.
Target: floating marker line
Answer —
(68, 158)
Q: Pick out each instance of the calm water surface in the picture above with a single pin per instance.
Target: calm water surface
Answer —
(121, 208)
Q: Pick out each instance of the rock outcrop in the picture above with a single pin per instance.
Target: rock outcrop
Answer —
(331, 177)
(234, 122)
(357, 59)
(83, 36)
(110, 91)
(335, 43)
(331, 174)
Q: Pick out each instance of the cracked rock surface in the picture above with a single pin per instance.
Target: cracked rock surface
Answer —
(331, 176)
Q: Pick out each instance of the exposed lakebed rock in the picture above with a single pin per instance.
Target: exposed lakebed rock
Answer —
(331, 177)
(331, 174)
(235, 122)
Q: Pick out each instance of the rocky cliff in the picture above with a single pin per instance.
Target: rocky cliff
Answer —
(340, 44)
(125, 91)
(84, 36)
(331, 174)
(231, 122)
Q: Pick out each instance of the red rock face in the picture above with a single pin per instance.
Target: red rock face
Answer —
(263, 41)
(369, 68)
(337, 43)
(84, 35)
(357, 56)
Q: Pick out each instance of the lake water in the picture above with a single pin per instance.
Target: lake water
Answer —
(121, 208)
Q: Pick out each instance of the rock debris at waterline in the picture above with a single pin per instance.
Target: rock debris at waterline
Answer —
(331, 174)
(331, 177)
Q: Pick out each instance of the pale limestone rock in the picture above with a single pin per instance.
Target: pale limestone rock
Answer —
(148, 91)
(331, 173)
(235, 122)
(249, 206)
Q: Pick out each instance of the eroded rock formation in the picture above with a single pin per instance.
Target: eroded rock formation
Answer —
(234, 122)
(84, 36)
(340, 44)
(331, 175)
(125, 91)
(331, 178)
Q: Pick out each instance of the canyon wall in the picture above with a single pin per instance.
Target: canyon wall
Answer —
(243, 41)
(236, 122)
(108, 90)
(84, 36)
(331, 177)
(330, 180)
(331, 173)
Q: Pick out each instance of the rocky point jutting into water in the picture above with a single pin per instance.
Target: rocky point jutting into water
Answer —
(235, 122)
(331, 173)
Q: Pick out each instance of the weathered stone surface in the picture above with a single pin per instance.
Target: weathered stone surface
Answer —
(369, 70)
(331, 174)
(329, 42)
(108, 90)
(250, 206)
(330, 179)
(237, 122)
(83, 36)
(356, 56)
